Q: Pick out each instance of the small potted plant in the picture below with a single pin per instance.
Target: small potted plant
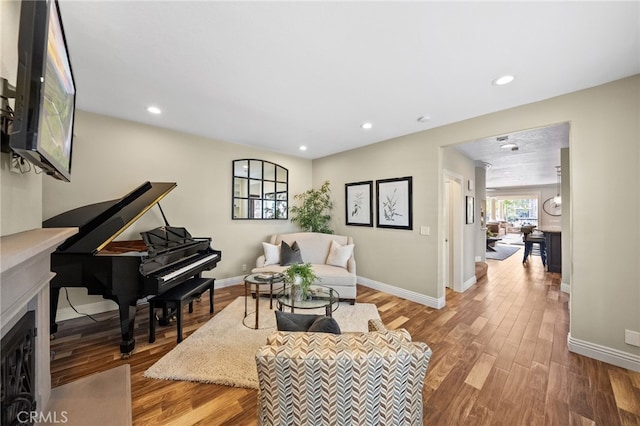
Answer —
(300, 275)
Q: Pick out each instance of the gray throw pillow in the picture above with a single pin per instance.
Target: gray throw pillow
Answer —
(290, 254)
(324, 325)
(287, 321)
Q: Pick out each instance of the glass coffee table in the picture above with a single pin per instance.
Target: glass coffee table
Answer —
(256, 281)
(321, 297)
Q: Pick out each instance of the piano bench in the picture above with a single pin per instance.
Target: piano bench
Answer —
(176, 298)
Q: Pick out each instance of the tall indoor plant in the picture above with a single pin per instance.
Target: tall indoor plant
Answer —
(314, 212)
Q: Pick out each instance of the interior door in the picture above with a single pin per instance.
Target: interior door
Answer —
(446, 246)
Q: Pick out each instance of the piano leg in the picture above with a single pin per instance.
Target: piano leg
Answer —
(127, 322)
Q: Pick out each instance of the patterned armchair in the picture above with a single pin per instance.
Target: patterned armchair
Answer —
(373, 378)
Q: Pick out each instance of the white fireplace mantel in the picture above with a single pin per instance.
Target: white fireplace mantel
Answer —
(25, 272)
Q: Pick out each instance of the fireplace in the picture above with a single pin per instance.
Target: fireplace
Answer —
(18, 370)
(24, 317)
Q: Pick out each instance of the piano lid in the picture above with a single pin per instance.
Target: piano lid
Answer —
(100, 223)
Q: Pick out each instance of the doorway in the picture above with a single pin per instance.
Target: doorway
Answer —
(452, 232)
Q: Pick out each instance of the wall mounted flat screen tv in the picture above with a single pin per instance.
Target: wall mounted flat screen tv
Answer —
(42, 128)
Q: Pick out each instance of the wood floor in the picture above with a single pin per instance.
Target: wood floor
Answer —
(499, 358)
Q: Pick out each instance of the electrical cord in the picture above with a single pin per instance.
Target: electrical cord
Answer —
(20, 163)
(66, 292)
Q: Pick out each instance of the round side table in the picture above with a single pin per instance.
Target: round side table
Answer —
(258, 281)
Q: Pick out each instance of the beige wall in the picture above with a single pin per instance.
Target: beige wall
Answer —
(20, 195)
(605, 159)
(388, 255)
(112, 157)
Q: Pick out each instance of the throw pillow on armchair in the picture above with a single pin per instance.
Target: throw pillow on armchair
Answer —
(287, 321)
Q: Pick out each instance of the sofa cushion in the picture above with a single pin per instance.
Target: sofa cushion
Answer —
(290, 254)
(334, 275)
(339, 255)
(314, 246)
(271, 254)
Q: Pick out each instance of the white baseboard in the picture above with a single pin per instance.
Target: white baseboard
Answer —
(376, 285)
(468, 283)
(68, 313)
(604, 353)
(565, 287)
(108, 305)
(228, 282)
(432, 302)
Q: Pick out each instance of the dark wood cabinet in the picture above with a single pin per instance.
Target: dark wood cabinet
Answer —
(554, 251)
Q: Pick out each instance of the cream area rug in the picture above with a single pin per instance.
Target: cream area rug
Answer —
(223, 350)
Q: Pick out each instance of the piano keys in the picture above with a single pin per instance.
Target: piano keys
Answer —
(125, 271)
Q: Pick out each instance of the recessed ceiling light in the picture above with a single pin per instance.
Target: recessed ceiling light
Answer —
(423, 118)
(505, 79)
(506, 144)
(154, 110)
(303, 148)
(366, 125)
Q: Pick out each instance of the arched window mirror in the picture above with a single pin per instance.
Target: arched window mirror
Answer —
(260, 190)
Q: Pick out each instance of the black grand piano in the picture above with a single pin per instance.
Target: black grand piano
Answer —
(125, 271)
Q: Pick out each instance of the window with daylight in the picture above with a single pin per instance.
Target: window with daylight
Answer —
(516, 210)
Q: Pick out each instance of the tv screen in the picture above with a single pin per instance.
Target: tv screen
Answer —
(42, 129)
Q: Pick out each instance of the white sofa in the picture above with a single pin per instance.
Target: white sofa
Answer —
(315, 249)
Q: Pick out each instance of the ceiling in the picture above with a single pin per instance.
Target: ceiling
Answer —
(278, 75)
(532, 161)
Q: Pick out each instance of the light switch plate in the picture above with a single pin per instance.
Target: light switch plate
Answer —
(632, 337)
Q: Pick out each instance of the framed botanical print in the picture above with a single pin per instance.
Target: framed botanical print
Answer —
(470, 209)
(358, 203)
(395, 204)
